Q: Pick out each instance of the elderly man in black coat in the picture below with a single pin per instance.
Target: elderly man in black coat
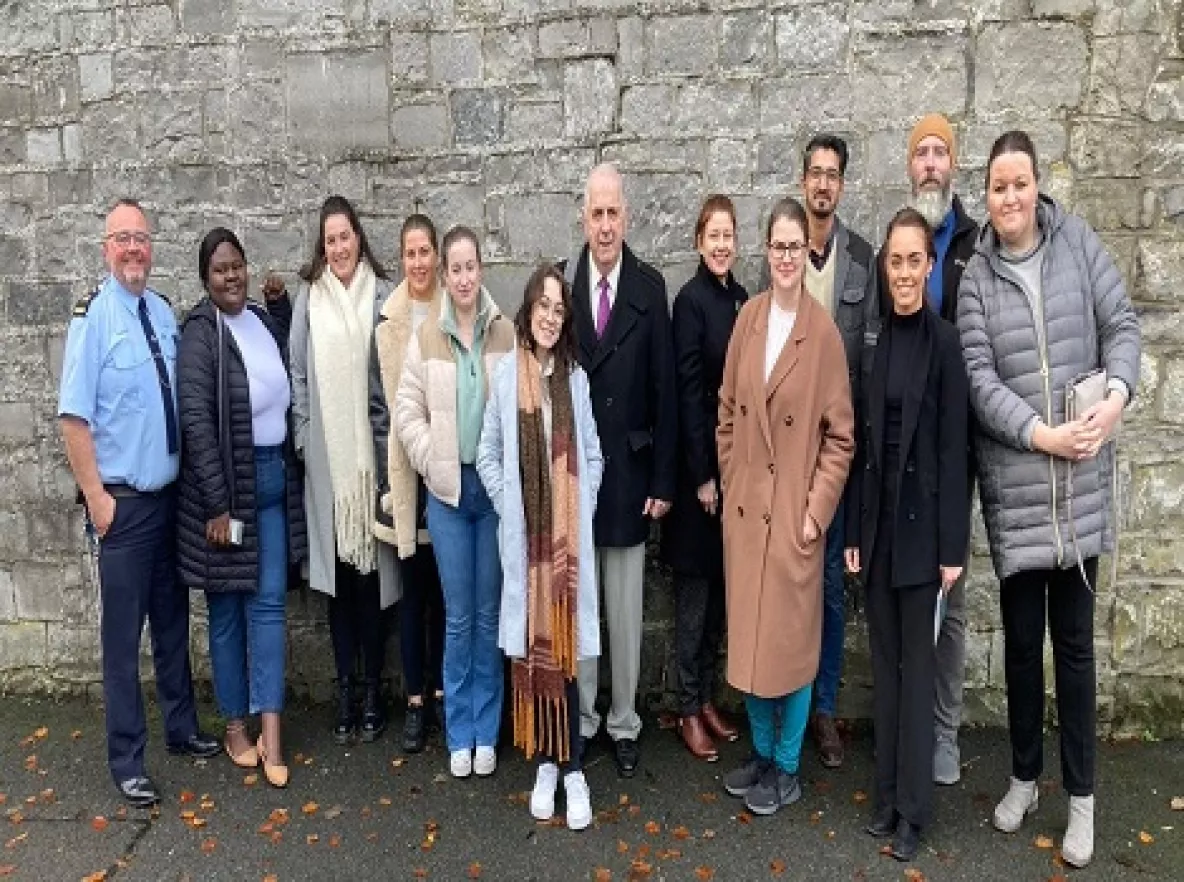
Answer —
(622, 322)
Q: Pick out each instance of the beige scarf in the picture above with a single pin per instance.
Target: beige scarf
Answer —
(341, 321)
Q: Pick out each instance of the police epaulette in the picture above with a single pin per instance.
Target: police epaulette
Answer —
(83, 304)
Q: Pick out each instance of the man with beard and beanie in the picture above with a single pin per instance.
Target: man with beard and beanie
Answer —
(840, 275)
(626, 346)
(932, 159)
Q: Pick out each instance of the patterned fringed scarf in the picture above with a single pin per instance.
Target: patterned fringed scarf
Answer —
(550, 496)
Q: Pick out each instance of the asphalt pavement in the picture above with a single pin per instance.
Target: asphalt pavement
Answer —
(367, 812)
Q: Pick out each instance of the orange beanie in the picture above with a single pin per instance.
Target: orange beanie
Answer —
(937, 125)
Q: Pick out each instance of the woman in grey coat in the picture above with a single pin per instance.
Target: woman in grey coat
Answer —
(333, 320)
(1041, 307)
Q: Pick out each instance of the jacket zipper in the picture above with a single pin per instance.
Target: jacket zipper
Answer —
(1044, 375)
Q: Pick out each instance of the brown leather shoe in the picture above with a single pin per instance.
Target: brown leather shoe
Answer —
(717, 725)
(830, 743)
(694, 736)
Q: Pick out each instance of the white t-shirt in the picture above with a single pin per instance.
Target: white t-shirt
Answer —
(271, 393)
(780, 327)
(419, 313)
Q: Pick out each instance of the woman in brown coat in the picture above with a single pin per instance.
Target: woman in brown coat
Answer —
(786, 437)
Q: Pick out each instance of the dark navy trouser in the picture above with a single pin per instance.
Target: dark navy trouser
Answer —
(138, 574)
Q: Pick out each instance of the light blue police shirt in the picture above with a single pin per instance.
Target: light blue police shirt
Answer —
(109, 379)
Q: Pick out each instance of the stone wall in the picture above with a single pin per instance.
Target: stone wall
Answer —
(490, 112)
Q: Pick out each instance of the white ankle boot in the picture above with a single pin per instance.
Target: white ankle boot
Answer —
(1077, 848)
(1021, 800)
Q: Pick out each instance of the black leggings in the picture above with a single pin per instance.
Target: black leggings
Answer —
(356, 620)
(421, 622)
(1059, 596)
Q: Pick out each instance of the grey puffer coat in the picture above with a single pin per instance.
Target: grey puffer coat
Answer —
(1016, 378)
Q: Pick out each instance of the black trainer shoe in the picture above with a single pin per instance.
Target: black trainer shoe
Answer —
(774, 790)
(738, 781)
(344, 724)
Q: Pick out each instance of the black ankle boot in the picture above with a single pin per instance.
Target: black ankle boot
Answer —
(373, 713)
(344, 726)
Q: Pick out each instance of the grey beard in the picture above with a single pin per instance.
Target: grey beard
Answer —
(933, 206)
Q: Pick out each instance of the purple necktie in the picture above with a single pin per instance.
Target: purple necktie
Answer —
(602, 309)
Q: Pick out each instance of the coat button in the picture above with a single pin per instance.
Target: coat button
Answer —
(608, 402)
(789, 420)
(743, 410)
(912, 515)
(740, 510)
(770, 468)
(768, 519)
(909, 467)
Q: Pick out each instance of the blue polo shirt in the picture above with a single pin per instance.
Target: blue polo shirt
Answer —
(943, 235)
(109, 379)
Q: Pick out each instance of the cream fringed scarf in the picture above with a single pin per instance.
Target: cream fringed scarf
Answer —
(341, 322)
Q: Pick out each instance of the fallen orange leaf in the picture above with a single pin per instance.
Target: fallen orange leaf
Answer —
(623, 799)
(384, 800)
(276, 837)
(622, 846)
(188, 815)
(681, 833)
(3, 798)
(251, 780)
(777, 867)
(16, 840)
(708, 797)
(634, 811)
(279, 816)
(398, 762)
(602, 874)
(371, 837)
(271, 877)
(815, 817)
(653, 828)
(1043, 841)
(744, 818)
(859, 796)
(708, 834)
(41, 733)
(474, 870)
(197, 822)
(76, 734)
(668, 854)
(704, 874)
(208, 846)
(421, 873)
(187, 796)
(7, 869)
(1177, 803)
(207, 805)
(914, 875)
(334, 841)
(99, 823)
(643, 851)
(47, 795)
(312, 838)
(310, 808)
(639, 869)
(1145, 837)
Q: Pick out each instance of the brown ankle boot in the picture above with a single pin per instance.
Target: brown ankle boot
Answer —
(717, 725)
(830, 743)
(694, 736)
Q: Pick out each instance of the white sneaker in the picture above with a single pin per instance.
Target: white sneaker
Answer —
(542, 798)
(579, 801)
(1021, 800)
(1077, 848)
(460, 763)
(485, 761)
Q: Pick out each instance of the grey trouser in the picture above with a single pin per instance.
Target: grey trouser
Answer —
(622, 577)
(951, 663)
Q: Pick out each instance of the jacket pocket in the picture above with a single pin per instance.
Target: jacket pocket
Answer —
(639, 439)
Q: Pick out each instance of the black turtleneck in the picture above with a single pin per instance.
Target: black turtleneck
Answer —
(903, 338)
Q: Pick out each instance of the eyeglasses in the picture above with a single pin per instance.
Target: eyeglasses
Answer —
(124, 238)
(787, 250)
(830, 175)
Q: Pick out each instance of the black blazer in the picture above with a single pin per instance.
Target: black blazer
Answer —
(631, 374)
(932, 516)
(705, 312)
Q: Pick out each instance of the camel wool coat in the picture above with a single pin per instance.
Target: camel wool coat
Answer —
(785, 447)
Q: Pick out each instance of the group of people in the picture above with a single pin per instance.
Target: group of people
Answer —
(497, 479)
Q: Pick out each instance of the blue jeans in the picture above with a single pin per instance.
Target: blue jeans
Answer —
(248, 630)
(778, 725)
(465, 541)
(834, 609)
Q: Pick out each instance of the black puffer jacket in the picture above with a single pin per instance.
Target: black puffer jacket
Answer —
(205, 492)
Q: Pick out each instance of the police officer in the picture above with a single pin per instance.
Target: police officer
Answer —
(117, 408)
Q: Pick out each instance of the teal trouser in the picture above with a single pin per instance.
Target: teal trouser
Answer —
(783, 746)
